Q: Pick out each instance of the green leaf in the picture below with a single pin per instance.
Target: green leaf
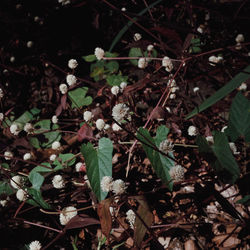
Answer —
(159, 162)
(98, 164)
(34, 142)
(5, 188)
(224, 155)
(112, 66)
(79, 98)
(239, 118)
(109, 54)
(222, 92)
(64, 160)
(37, 199)
(203, 144)
(89, 58)
(245, 200)
(135, 52)
(27, 116)
(115, 80)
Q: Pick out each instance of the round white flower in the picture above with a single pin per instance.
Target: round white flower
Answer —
(196, 89)
(52, 157)
(130, 216)
(72, 64)
(78, 166)
(239, 38)
(3, 203)
(166, 146)
(27, 156)
(192, 131)
(21, 195)
(115, 90)
(116, 127)
(28, 127)
(99, 53)
(120, 111)
(118, 187)
(172, 96)
(210, 139)
(67, 214)
(168, 109)
(123, 9)
(12, 59)
(63, 88)
(64, 2)
(137, 37)
(71, 79)
(36, 18)
(150, 47)
(15, 129)
(174, 89)
(8, 155)
(100, 124)
(87, 116)
(1, 117)
(56, 145)
(167, 63)
(35, 245)
(142, 63)
(1, 93)
(16, 181)
(107, 126)
(177, 173)
(243, 86)
(29, 44)
(200, 30)
(213, 60)
(123, 85)
(58, 182)
(106, 183)
(54, 119)
(233, 148)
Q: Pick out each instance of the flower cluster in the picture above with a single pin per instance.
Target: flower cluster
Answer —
(72, 64)
(192, 131)
(35, 245)
(58, 182)
(130, 216)
(167, 63)
(118, 187)
(87, 116)
(67, 214)
(177, 173)
(166, 146)
(99, 53)
(21, 195)
(16, 181)
(213, 60)
(120, 111)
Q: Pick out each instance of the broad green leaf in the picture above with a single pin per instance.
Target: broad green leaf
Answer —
(112, 66)
(5, 165)
(135, 52)
(159, 162)
(224, 155)
(89, 58)
(27, 116)
(109, 54)
(222, 92)
(115, 80)
(195, 49)
(239, 118)
(78, 97)
(126, 27)
(98, 164)
(37, 199)
(203, 145)
(64, 160)
(34, 142)
(5, 188)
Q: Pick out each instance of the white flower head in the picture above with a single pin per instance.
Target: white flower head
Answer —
(87, 116)
(166, 146)
(1, 117)
(35, 245)
(67, 214)
(52, 157)
(58, 182)
(177, 173)
(63, 88)
(16, 181)
(196, 89)
(29, 44)
(116, 127)
(15, 129)
(72, 64)
(213, 60)
(243, 87)
(123, 9)
(172, 96)
(210, 139)
(54, 119)
(115, 90)
(106, 183)
(137, 37)
(150, 47)
(200, 29)
(239, 38)
(12, 59)
(71, 79)
(99, 53)
(21, 195)
(119, 187)
(120, 111)
(64, 2)
(223, 129)
(123, 85)
(3, 203)
(28, 127)
(192, 131)
(167, 63)
(78, 166)
(56, 145)
(1, 93)
(27, 156)
(233, 148)
(142, 63)
(174, 89)
(130, 216)
(100, 124)
(8, 155)
(107, 126)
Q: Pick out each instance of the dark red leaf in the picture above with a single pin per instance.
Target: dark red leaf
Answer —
(85, 132)
(59, 110)
(64, 101)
